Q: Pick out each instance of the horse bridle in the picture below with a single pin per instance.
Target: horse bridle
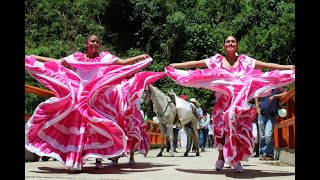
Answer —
(168, 102)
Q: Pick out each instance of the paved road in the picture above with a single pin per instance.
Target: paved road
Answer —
(163, 168)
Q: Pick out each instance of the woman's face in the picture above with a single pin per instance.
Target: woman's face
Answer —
(230, 45)
(93, 44)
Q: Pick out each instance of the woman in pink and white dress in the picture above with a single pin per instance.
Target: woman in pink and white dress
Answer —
(96, 109)
(236, 79)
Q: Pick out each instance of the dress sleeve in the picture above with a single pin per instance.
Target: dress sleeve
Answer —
(107, 57)
(247, 62)
(71, 57)
(214, 61)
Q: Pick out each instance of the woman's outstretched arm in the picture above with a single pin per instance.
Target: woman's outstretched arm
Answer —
(131, 60)
(189, 64)
(272, 66)
(49, 59)
(45, 59)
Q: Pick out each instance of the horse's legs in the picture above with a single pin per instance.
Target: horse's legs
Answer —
(171, 139)
(186, 130)
(163, 130)
(195, 137)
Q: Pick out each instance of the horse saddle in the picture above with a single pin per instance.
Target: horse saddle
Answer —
(185, 110)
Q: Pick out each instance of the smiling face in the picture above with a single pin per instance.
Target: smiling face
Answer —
(93, 44)
(230, 45)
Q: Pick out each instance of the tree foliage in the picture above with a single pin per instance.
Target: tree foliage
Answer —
(168, 30)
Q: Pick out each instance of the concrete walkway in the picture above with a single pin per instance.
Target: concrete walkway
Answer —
(163, 168)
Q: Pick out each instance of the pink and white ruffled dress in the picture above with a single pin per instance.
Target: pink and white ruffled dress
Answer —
(234, 88)
(92, 112)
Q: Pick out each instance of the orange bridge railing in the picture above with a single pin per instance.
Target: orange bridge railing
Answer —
(284, 130)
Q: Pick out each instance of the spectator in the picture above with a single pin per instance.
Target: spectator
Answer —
(210, 134)
(254, 104)
(204, 129)
(267, 114)
(176, 129)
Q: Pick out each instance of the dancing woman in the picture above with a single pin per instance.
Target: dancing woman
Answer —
(236, 79)
(82, 120)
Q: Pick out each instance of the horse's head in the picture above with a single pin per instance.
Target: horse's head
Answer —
(146, 96)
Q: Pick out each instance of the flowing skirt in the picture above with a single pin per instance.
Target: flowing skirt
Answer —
(231, 113)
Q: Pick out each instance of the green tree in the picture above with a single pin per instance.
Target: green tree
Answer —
(168, 30)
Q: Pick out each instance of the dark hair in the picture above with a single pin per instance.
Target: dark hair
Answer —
(230, 36)
(204, 109)
(87, 38)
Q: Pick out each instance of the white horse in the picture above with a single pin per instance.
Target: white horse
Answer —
(167, 114)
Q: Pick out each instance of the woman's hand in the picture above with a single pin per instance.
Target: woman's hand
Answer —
(291, 67)
(271, 98)
(173, 65)
(144, 56)
(35, 56)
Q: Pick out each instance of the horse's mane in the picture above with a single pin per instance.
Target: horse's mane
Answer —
(172, 95)
(157, 92)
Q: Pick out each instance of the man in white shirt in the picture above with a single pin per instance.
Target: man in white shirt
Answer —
(210, 134)
(204, 129)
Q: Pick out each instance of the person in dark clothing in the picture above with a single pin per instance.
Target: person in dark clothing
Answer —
(267, 114)
(176, 129)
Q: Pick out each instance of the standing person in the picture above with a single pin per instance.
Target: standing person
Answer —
(86, 118)
(235, 80)
(204, 129)
(210, 134)
(267, 115)
(176, 130)
(254, 105)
